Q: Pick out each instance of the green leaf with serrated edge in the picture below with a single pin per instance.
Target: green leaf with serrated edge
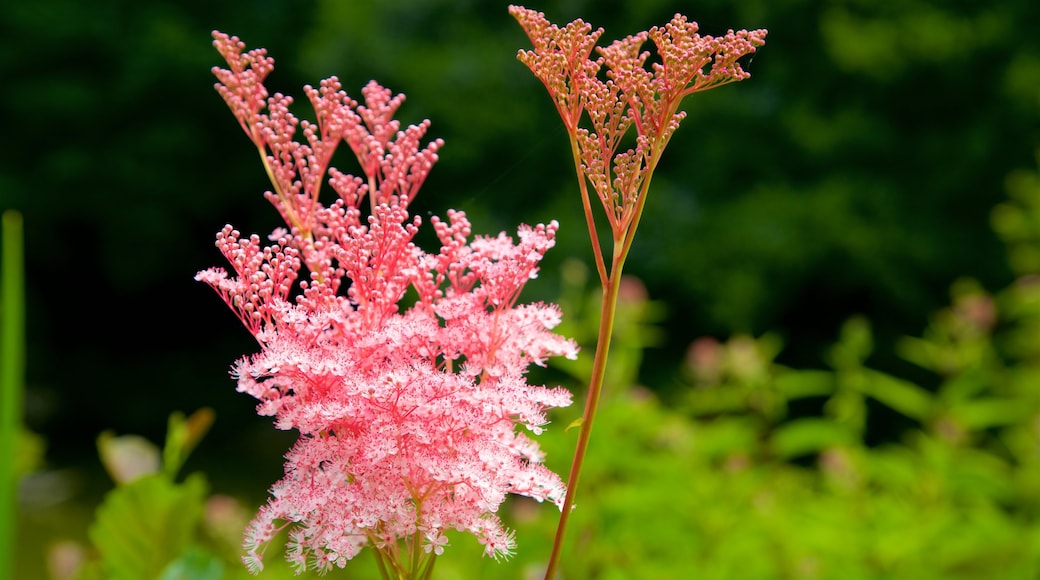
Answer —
(142, 526)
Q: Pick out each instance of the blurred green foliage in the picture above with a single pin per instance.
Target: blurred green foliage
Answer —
(849, 175)
(736, 479)
(727, 480)
(147, 526)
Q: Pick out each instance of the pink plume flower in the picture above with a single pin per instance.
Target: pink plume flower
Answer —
(413, 419)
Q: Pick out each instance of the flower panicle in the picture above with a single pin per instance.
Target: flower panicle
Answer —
(601, 101)
(411, 417)
(634, 93)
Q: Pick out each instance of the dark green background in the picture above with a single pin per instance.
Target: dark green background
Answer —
(853, 173)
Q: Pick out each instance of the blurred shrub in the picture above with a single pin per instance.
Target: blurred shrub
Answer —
(762, 471)
(758, 470)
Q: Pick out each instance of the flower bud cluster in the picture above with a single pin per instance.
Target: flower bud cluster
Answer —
(408, 414)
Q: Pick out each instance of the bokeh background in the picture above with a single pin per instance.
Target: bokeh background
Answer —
(853, 174)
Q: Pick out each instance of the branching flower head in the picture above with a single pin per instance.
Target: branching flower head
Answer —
(629, 94)
(408, 414)
(600, 101)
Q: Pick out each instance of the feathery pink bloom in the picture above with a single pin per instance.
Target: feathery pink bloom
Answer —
(407, 415)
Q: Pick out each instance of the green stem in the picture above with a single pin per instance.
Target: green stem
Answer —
(599, 367)
(415, 542)
(383, 573)
(427, 569)
(12, 378)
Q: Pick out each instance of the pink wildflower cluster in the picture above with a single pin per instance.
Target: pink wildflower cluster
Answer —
(629, 94)
(600, 101)
(407, 415)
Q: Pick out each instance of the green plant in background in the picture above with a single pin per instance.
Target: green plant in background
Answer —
(759, 470)
(12, 378)
(740, 474)
(150, 525)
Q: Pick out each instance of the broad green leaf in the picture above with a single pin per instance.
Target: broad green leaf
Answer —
(194, 564)
(726, 436)
(142, 526)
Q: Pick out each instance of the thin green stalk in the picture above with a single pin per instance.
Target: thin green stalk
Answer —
(414, 542)
(12, 378)
(599, 367)
(427, 569)
(383, 572)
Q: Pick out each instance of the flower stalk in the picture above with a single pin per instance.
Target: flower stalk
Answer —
(601, 100)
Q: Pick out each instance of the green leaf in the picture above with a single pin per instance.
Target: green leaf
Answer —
(918, 351)
(726, 436)
(899, 395)
(806, 436)
(194, 564)
(127, 457)
(983, 414)
(854, 346)
(799, 384)
(182, 435)
(142, 526)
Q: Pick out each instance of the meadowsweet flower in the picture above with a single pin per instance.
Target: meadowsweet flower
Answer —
(629, 95)
(408, 415)
(600, 101)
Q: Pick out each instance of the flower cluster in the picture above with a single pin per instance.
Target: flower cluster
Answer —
(629, 94)
(600, 100)
(407, 414)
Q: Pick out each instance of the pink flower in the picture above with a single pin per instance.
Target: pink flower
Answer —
(629, 95)
(407, 414)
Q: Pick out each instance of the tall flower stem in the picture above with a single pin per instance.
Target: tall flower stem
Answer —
(611, 282)
(612, 94)
(599, 366)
